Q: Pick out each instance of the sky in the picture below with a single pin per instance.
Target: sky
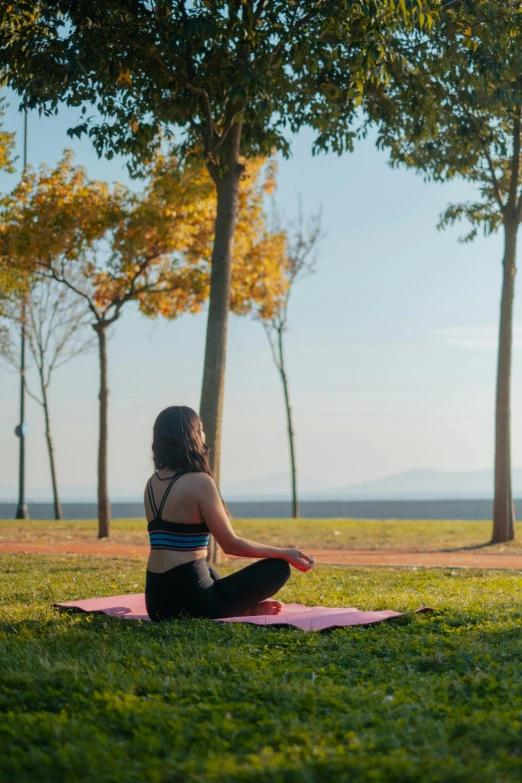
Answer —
(391, 346)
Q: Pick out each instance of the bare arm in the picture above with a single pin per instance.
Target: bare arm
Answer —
(219, 525)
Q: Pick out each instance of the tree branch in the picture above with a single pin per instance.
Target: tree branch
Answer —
(64, 281)
(494, 180)
(295, 26)
(182, 81)
(268, 327)
(118, 303)
(30, 393)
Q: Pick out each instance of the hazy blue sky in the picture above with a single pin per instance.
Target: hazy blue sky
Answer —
(391, 348)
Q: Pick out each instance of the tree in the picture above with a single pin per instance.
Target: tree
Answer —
(55, 322)
(111, 247)
(232, 78)
(457, 113)
(298, 261)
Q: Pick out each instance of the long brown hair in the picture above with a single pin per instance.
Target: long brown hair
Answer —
(177, 443)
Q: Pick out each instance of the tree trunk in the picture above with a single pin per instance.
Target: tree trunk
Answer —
(284, 379)
(503, 509)
(104, 507)
(21, 511)
(50, 449)
(213, 388)
(212, 392)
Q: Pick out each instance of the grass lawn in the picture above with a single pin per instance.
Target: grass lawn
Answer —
(425, 698)
(405, 536)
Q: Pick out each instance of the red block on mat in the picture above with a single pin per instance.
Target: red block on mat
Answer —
(308, 618)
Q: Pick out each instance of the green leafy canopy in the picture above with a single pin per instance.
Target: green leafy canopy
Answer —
(456, 111)
(199, 67)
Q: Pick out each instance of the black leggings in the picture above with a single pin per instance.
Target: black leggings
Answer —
(197, 589)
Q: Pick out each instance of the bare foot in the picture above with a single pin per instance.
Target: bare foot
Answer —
(265, 607)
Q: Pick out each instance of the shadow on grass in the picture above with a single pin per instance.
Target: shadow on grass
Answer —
(471, 547)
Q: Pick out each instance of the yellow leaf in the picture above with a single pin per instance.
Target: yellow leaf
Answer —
(124, 77)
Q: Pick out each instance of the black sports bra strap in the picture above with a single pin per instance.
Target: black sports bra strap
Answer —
(151, 499)
(171, 484)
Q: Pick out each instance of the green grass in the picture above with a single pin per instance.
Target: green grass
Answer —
(426, 698)
(313, 533)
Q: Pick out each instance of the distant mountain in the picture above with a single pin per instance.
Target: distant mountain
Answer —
(425, 483)
(409, 485)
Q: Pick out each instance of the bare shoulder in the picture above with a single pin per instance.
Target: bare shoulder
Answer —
(200, 483)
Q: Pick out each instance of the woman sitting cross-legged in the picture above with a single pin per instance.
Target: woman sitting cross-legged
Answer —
(183, 506)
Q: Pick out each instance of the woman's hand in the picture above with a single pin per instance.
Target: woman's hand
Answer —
(206, 495)
(298, 559)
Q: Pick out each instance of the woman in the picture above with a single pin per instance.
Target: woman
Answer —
(183, 506)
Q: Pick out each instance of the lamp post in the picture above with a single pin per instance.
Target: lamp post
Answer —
(21, 429)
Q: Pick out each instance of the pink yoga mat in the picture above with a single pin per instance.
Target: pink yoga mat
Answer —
(308, 618)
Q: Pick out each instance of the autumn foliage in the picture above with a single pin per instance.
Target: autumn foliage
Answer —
(112, 246)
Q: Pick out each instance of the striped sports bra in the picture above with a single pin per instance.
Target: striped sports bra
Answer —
(176, 536)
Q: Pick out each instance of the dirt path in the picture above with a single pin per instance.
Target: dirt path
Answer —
(455, 558)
